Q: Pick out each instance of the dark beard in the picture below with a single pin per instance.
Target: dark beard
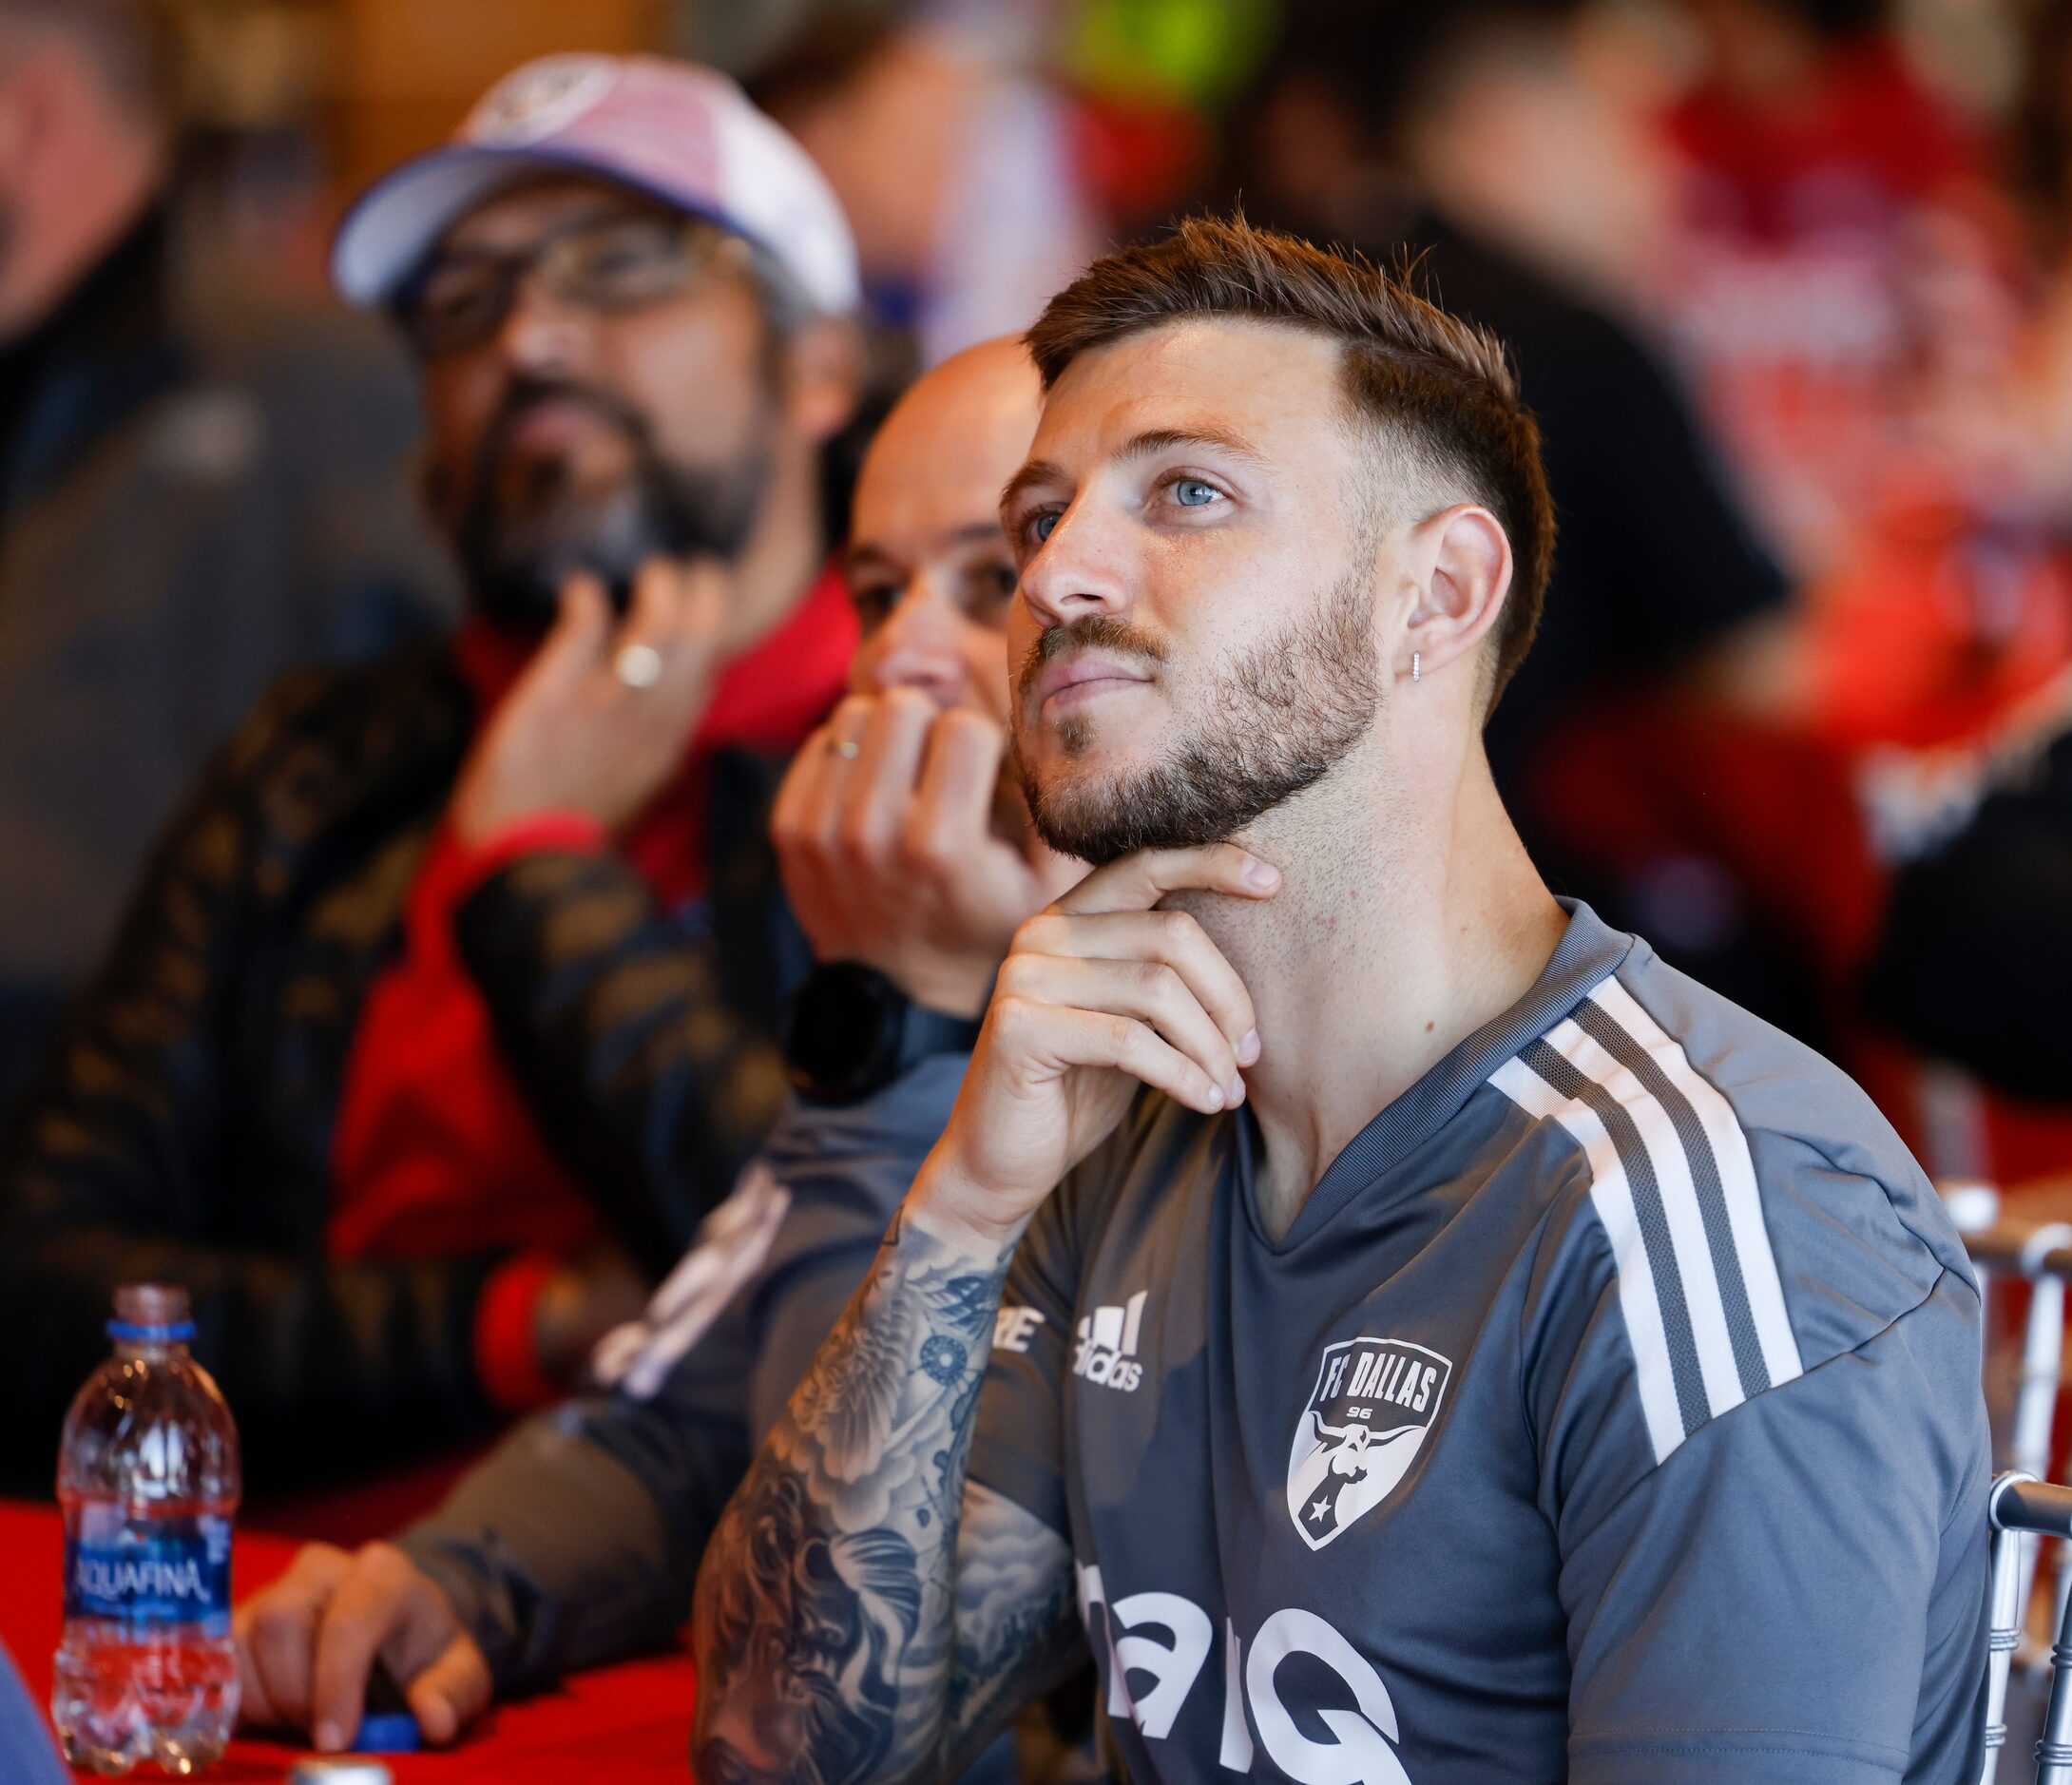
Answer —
(1273, 723)
(518, 547)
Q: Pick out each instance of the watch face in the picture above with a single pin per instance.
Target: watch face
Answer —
(842, 1036)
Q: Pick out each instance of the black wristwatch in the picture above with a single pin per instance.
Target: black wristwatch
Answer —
(849, 1030)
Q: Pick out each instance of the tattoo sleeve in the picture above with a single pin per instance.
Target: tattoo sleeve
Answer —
(860, 1614)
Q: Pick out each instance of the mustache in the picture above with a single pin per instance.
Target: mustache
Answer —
(528, 393)
(1096, 632)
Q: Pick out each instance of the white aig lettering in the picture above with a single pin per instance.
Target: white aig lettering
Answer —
(1173, 1665)
(1362, 1752)
(1361, 1756)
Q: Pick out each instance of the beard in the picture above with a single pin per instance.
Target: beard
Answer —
(527, 524)
(1273, 724)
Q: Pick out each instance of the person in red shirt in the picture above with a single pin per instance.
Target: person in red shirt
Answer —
(1832, 208)
(446, 1008)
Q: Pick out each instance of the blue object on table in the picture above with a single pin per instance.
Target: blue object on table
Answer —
(388, 1732)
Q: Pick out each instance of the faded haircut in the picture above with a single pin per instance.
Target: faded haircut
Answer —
(1438, 393)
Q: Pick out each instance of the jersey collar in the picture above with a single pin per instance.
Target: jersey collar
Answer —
(1588, 951)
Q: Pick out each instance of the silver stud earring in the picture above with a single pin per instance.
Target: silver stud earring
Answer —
(1417, 666)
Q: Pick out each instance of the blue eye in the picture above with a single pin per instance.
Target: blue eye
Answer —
(1191, 493)
(1040, 528)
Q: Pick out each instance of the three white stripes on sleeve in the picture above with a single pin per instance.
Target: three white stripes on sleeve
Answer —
(1672, 1182)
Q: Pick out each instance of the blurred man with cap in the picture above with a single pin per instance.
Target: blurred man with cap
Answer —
(446, 1009)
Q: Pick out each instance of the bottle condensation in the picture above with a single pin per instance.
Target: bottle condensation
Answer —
(149, 1480)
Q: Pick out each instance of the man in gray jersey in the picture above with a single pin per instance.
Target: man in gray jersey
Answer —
(1431, 1340)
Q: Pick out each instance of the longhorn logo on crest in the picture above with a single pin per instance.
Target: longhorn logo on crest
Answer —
(1374, 1403)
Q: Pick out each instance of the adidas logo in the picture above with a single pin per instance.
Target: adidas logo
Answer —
(1106, 1352)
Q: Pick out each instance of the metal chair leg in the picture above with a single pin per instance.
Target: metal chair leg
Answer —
(2020, 1504)
(2054, 1753)
(2003, 1626)
(2036, 1391)
(2042, 1354)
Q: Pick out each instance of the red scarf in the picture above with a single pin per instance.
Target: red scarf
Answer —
(435, 1153)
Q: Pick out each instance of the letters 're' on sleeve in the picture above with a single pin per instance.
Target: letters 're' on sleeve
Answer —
(1018, 1450)
(1791, 1589)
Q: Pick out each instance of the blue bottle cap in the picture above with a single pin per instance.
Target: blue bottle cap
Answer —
(388, 1732)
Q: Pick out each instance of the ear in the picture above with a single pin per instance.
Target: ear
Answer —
(823, 364)
(1461, 559)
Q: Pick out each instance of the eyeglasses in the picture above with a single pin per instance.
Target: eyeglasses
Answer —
(607, 266)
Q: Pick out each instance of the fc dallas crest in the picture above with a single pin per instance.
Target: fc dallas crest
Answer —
(1373, 1402)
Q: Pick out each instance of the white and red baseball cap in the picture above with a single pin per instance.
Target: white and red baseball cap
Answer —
(685, 135)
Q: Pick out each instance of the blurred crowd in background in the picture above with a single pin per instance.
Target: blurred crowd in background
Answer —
(1788, 282)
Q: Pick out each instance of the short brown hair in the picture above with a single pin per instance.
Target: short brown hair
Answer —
(1440, 388)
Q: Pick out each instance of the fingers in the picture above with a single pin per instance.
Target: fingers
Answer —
(800, 795)
(798, 821)
(883, 835)
(1149, 992)
(586, 612)
(1064, 1036)
(848, 791)
(452, 1692)
(828, 760)
(951, 810)
(274, 1650)
(382, 1607)
(254, 1703)
(677, 604)
(349, 1634)
(575, 645)
(275, 1633)
(1170, 939)
(1137, 882)
(879, 789)
(677, 612)
(707, 598)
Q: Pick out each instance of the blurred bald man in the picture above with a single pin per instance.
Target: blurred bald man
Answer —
(910, 869)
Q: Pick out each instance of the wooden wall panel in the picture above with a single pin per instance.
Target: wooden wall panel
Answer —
(408, 69)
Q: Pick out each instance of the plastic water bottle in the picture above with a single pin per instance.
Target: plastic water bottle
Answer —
(149, 1480)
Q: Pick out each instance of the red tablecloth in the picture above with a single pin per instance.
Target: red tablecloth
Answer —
(625, 1725)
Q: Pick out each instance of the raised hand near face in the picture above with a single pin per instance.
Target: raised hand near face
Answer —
(1101, 992)
(598, 720)
(889, 835)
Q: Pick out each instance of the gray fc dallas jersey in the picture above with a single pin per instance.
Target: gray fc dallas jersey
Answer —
(1610, 1413)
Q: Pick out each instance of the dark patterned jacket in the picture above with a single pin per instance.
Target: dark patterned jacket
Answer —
(181, 1128)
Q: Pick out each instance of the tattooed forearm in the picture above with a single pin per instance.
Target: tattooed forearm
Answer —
(833, 1640)
(1015, 1630)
